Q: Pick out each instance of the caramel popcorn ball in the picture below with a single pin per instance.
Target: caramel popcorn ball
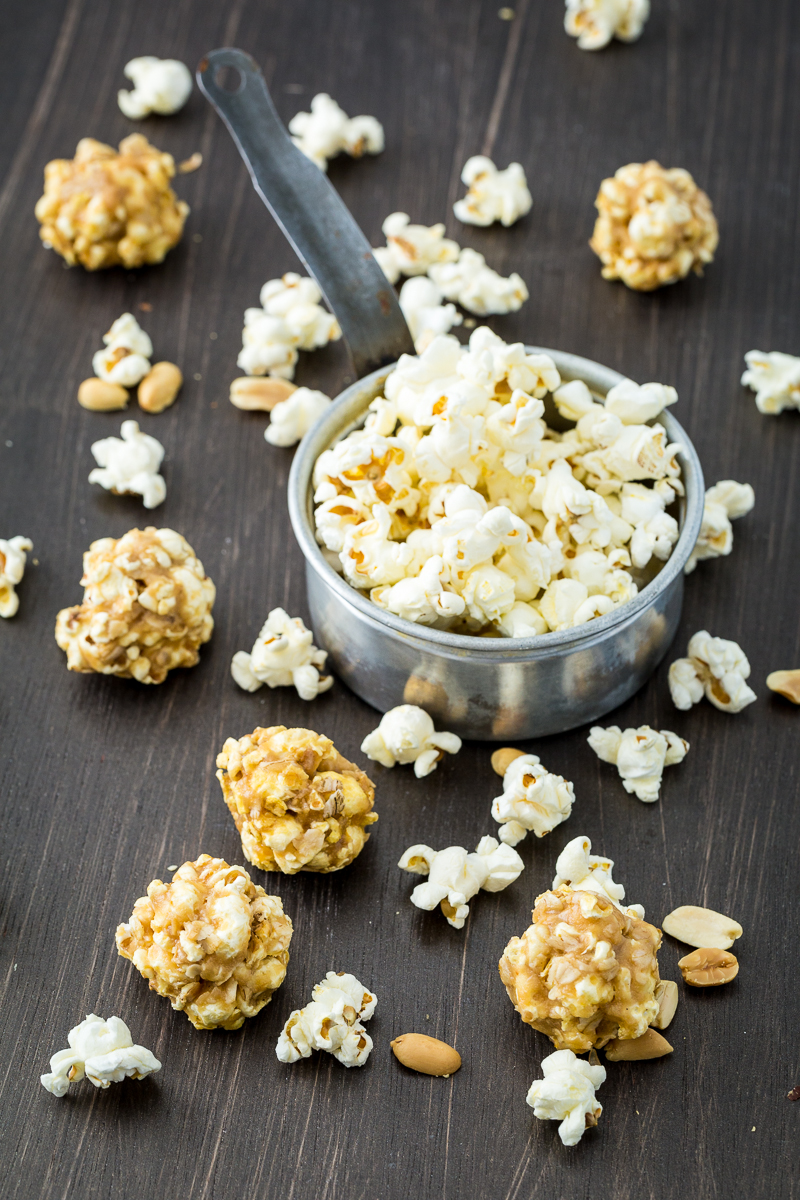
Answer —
(212, 941)
(654, 227)
(584, 972)
(103, 208)
(297, 803)
(146, 608)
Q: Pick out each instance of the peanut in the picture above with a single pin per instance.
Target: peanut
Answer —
(191, 163)
(260, 394)
(786, 683)
(502, 759)
(667, 997)
(702, 927)
(649, 1045)
(100, 396)
(426, 1054)
(159, 387)
(708, 967)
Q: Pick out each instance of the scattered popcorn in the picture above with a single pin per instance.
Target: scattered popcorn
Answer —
(291, 318)
(775, 379)
(146, 608)
(533, 800)
(100, 1051)
(595, 22)
(477, 287)
(426, 316)
(454, 876)
(455, 506)
(332, 1022)
(126, 358)
(412, 249)
(405, 735)
(128, 466)
(160, 85)
(102, 208)
(492, 195)
(12, 568)
(291, 419)
(640, 755)
(327, 131)
(726, 501)
(654, 227)
(283, 656)
(211, 941)
(298, 804)
(585, 971)
(715, 668)
(566, 1094)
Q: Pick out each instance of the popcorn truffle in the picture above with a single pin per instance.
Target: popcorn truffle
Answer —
(211, 941)
(297, 803)
(104, 208)
(146, 608)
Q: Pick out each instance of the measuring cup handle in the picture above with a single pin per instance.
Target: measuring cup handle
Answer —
(311, 214)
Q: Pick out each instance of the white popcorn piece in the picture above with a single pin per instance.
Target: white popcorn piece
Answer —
(636, 403)
(640, 756)
(412, 249)
(332, 1021)
(291, 318)
(426, 316)
(101, 1051)
(655, 532)
(581, 871)
(291, 419)
(406, 734)
(327, 131)
(775, 379)
(160, 85)
(595, 22)
(129, 465)
(12, 567)
(422, 598)
(454, 876)
(476, 287)
(126, 358)
(567, 1094)
(716, 668)
(284, 655)
(492, 195)
(726, 501)
(533, 800)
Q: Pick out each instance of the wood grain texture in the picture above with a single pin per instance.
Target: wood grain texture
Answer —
(104, 783)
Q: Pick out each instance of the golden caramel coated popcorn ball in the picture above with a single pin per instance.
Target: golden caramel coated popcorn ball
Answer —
(297, 803)
(103, 208)
(146, 608)
(211, 941)
(584, 972)
(654, 227)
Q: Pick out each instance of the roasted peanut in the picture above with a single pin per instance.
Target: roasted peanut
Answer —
(649, 1045)
(502, 759)
(786, 683)
(191, 163)
(708, 967)
(667, 997)
(159, 387)
(701, 927)
(99, 396)
(426, 1054)
(260, 393)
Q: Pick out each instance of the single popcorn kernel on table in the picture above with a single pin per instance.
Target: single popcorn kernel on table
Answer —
(454, 876)
(775, 379)
(406, 734)
(291, 419)
(327, 131)
(290, 319)
(128, 465)
(421, 304)
(567, 1094)
(595, 22)
(100, 1051)
(655, 226)
(126, 358)
(492, 195)
(715, 668)
(412, 249)
(146, 608)
(298, 804)
(585, 971)
(284, 655)
(726, 501)
(103, 208)
(640, 755)
(160, 85)
(12, 567)
(533, 799)
(332, 1021)
(211, 941)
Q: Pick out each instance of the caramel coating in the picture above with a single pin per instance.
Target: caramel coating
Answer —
(103, 208)
(297, 803)
(211, 941)
(584, 971)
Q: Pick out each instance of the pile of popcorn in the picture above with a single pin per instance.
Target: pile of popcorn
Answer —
(291, 318)
(457, 507)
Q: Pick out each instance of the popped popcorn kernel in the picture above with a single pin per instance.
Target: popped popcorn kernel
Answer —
(775, 379)
(160, 85)
(640, 755)
(327, 131)
(290, 319)
(100, 1051)
(332, 1021)
(533, 800)
(726, 501)
(412, 249)
(128, 466)
(492, 195)
(567, 1094)
(406, 735)
(12, 567)
(284, 655)
(595, 22)
(454, 876)
(715, 668)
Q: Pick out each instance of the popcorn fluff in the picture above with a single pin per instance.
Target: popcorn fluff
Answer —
(12, 568)
(654, 226)
(454, 876)
(412, 249)
(327, 131)
(492, 195)
(595, 22)
(567, 1094)
(291, 318)
(103, 208)
(456, 506)
(146, 608)
(284, 655)
(291, 419)
(333, 1021)
(405, 735)
(726, 501)
(715, 668)
(775, 379)
(128, 466)
(640, 755)
(533, 800)
(211, 941)
(126, 358)
(585, 971)
(476, 287)
(297, 803)
(100, 1051)
(160, 85)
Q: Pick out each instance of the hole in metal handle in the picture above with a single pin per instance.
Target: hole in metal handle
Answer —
(229, 78)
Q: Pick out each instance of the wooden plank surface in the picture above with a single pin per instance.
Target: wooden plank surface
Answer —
(104, 783)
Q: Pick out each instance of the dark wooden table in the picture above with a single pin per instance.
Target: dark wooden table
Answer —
(104, 783)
